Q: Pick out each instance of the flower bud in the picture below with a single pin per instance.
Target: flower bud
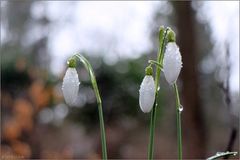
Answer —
(171, 36)
(172, 62)
(147, 94)
(70, 86)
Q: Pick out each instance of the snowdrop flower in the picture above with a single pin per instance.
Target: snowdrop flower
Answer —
(147, 92)
(172, 62)
(71, 83)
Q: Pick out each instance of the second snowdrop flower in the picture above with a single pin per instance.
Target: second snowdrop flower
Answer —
(147, 91)
(71, 83)
(172, 62)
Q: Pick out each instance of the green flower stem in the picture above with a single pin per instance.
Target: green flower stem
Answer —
(155, 63)
(162, 41)
(179, 128)
(99, 102)
(222, 154)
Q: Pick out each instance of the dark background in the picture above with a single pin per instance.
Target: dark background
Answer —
(36, 123)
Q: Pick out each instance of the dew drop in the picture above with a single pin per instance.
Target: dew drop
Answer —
(219, 153)
(158, 88)
(180, 108)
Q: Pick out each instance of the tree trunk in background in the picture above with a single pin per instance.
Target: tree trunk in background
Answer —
(192, 122)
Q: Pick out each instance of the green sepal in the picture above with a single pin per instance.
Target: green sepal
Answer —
(149, 70)
(72, 62)
(171, 36)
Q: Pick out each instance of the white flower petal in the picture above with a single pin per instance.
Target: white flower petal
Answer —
(172, 62)
(70, 86)
(147, 94)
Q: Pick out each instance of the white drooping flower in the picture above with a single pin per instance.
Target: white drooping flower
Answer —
(147, 94)
(172, 62)
(70, 86)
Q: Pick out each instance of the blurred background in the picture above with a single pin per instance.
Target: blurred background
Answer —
(118, 38)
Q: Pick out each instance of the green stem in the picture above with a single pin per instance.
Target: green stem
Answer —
(222, 154)
(155, 63)
(99, 102)
(179, 128)
(162, 41)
